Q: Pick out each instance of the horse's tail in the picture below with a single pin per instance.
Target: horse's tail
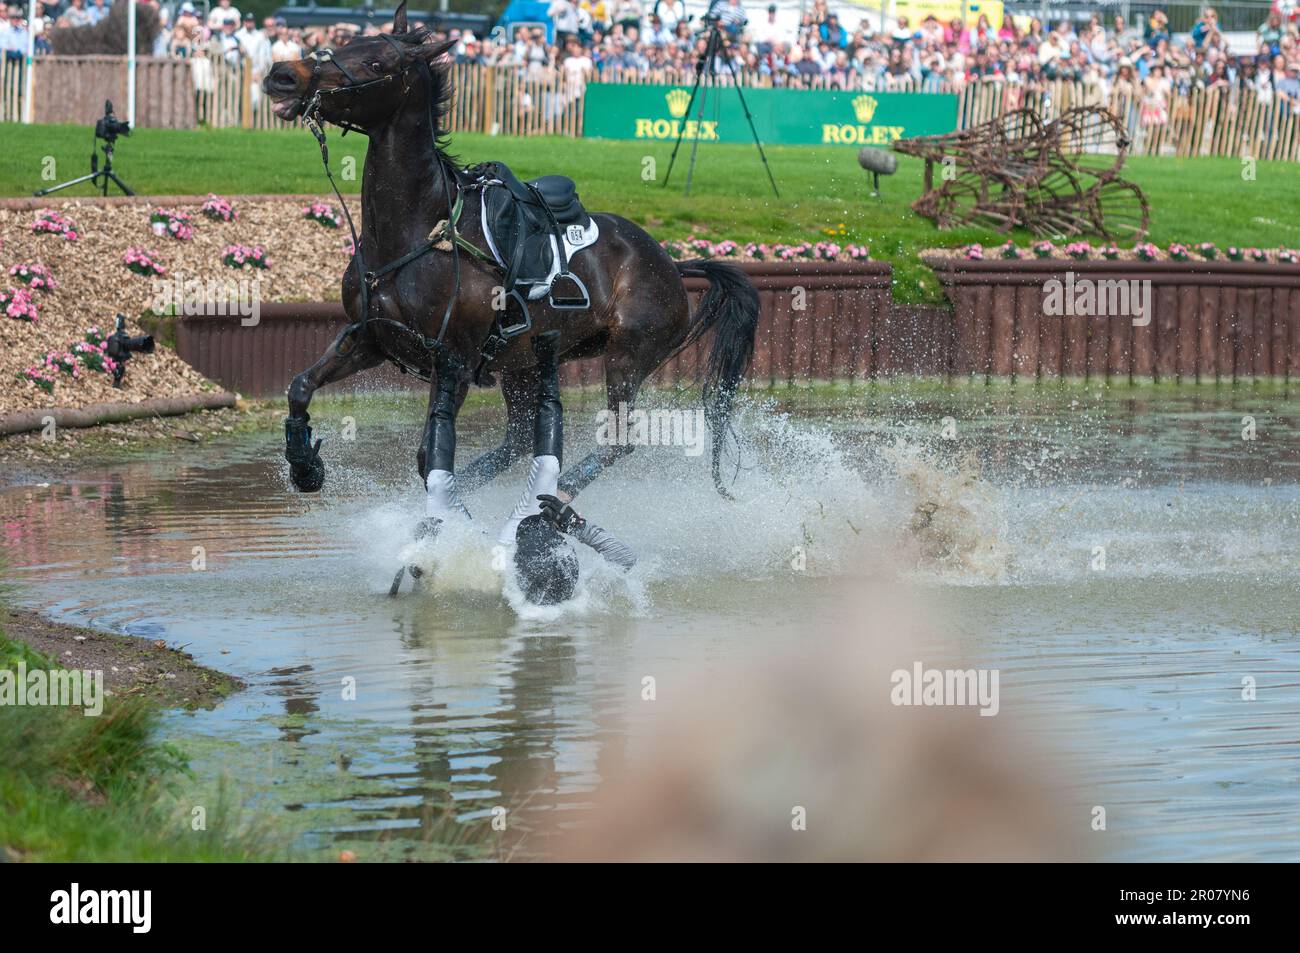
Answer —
(729, 308)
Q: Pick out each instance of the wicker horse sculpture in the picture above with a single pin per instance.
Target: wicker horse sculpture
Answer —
(1055, 179)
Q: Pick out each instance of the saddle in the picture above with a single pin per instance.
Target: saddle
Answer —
(533, 228)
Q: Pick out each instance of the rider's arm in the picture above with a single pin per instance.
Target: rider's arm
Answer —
(607, 544)
(566, 519)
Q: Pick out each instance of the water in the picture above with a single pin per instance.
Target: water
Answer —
(1125, 563)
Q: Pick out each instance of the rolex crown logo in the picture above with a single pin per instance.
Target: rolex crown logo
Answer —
(678, 101)
(864, 107)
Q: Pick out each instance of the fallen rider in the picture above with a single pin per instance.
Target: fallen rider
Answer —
(545, 564)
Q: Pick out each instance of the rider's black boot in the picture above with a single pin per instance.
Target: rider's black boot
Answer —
(548, 430)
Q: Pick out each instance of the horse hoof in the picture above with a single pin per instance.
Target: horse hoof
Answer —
(308, 479)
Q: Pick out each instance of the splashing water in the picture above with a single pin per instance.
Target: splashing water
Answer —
(468, 697)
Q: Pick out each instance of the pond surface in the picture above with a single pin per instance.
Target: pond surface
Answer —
(1125, 562)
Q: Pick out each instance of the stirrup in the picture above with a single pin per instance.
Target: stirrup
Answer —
(577, 300)
(524, 324)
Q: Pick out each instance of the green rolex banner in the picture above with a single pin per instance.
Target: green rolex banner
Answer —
(781, 116)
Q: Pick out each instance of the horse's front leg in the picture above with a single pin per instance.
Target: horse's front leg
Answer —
(519, 388)
(352, 351)
(437, 455)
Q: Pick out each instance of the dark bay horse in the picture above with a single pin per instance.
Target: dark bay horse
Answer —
(431, 312)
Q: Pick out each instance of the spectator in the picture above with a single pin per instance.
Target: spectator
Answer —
(1270, 33)
(1050, 55)
(13, 35)
(98, 10)
(627, 14)
(902, 32)
(565, 17)
(577, 68)
(831, 32)
(1157, 30)
(225, 45)
(671, 12)
(285, 46)
(731, 17)
(1206, 28)
(769, 33)
(1155, 98)
(256, 45)
(1289, 84)
(77, 14)
(222, 14)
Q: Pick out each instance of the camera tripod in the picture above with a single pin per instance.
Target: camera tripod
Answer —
(708, 61)
(97, 174)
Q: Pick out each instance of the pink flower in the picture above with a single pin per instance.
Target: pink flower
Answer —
(18, 303)
(320, 212)
(218, 209)
(49, 222)
(174, 223)
(34, 275)
(143, 262)
(237, 256)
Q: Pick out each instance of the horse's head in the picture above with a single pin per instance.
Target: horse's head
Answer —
(362, 83)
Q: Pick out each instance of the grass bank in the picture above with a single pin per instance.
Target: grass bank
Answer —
(98, 788)
(822, 189)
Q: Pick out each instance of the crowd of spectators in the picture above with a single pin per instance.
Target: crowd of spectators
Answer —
(609, 39)
(844, 49)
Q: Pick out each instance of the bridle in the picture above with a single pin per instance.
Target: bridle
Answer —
(311, 118)
(325, 57)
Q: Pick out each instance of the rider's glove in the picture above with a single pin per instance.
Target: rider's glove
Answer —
(560, 514)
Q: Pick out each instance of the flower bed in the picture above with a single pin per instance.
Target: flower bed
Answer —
(755, 251)
(89, 284)
(1143, 251)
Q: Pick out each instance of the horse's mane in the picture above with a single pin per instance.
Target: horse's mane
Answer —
(441, 95)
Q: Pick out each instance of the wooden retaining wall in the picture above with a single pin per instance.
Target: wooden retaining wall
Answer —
(823, 320)
(1210, 321)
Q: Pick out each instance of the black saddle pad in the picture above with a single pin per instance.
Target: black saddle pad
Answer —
(522, 220)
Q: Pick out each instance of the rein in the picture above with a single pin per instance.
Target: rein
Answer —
(443, 232)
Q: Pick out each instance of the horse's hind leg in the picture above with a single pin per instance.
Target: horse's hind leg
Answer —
(623, 376)
(519, 388)
(352, 351)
